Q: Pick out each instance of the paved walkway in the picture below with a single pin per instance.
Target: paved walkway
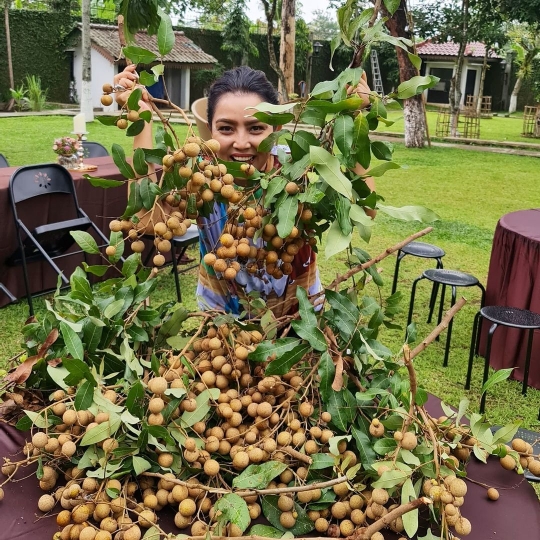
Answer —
(495, 147)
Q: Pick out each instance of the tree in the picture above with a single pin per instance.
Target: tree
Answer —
(413, 108)
(323, 26)
(6, 4)
(286, 47)
(526, 43)
(236, 36)
(86, 97)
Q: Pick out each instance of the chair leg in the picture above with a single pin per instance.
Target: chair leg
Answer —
(400, 256)
(441, 308)
(475, 335)
(411, 304)
(434, 292)
(527, 362)
(450, 326)
(25, 275)
(7, 292)
(175, 272)
(486, 365)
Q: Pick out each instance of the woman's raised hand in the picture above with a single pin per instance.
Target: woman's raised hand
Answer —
(129, 79)
(362, 89)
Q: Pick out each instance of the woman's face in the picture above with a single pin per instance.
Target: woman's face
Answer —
(238, 134)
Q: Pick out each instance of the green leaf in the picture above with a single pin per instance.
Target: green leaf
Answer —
(133, 101)
(96, 269)
(102, 431)
(147, 79)
(267, 349)
(324, 87)
(113, 309)
(416, 85)
(153, 533)
(410, 519)
(408, 457)
(286, 213)
(390, 479)
(233, 510)
(274, 119)
(119, 158)
(416, 61)
(78, 371)
(33, 419)
(135, 400)
(497, 377)
(85, 241)
(334, 44)
(379, 170)
(322, 461)
(172, 326)
(272, 512)
(337, 406)
(306, 327)
(102, 182)
(138, 55)
(314, 117)
(271, 108)
(410, 213)
(259, 476)
(391, 6)
(203, 400)
(305, 139)
(364, 446)
(343, 133)
(360, 146)
(85, 396)
(130, 265)
(345, 313)
(106, 121)
(336, 241)
(506, 433)
(327, 371)
(267, 144)
(266, 531)
(275, 187)
(140, 465)
(135, 127)
(328, 167)
(382, 150)
(72, 341)
(384, 446)
(147, 196)
(286, 361)
(350, 104)
(165, 35)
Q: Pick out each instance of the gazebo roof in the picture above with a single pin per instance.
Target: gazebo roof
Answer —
(185, 53)
(475, 49)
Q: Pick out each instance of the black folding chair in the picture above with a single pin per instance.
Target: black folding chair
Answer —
(48, 241)
(3, 161)
(94, 149)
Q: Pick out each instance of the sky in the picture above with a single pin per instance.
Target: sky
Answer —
(255, 10)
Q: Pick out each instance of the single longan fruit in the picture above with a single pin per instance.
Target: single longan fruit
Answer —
(69, 448)
(46, 503)
(158, 260)
(287, 520)
(211, 467)
(40, 439)
(137, 246)
(492, 494)
(210, 259)
(321, 525)
(122, 123)
(347, 527)
(508, 463)
(409, 441)
(458, 488)
(187, 507)
(133, 116)
(158, 385)
(339, 510)
(379, 496)
(212, 145)
(116, 226)
(133, 533)
(110, 251)
(106, 100)
(285, 504)
(80, 514)
(305, 409)
(341, 489)
(191, 149)
(107, 88)
(463, 526)
(166, 459)
(534, 466)
(292, 188)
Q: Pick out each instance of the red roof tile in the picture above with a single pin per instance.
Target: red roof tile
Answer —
(475, 49)
(105, 39)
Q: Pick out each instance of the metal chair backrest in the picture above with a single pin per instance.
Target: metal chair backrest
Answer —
(94, 149)
(3, 161)
(38, 180)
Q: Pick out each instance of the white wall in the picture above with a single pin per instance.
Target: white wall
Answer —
(451, 65)
(102, 71)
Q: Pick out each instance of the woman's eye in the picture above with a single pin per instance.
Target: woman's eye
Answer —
(257, 129)
(225, 129)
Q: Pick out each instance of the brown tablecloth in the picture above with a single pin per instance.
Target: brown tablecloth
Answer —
(514, 281)
(515, 515)
(100, 204)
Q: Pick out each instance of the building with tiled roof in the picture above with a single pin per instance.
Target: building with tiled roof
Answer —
(107, 61)
(439, 59)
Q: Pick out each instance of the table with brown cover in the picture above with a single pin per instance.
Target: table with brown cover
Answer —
(516, 515)
(514, 281)
(100, 204)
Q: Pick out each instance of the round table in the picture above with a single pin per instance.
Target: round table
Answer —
(514, 281)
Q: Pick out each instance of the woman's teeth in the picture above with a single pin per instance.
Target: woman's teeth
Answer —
(242, 159)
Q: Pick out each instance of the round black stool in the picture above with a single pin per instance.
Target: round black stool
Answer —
(418, 249)
(454, 279)
(501, 316)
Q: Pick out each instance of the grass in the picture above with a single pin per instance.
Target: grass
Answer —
(497, 128)
(469, 190)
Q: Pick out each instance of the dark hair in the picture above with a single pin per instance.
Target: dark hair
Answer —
(241, 80)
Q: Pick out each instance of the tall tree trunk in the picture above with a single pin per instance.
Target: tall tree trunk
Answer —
(270, 12)
(286, 48)
(514, 96)
(86, 99)
(482, 81)
(455, 83)
(11, 102)
(413, 108)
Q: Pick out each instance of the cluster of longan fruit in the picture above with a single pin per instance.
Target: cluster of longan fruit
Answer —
(107, 100)
(237, 248)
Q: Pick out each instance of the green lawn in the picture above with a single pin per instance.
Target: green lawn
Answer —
(469, 190)
(498, 128)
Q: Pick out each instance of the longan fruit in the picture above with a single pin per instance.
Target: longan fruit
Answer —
(287, 520)
(534, 466)
(358, 517)
(158, 385)
(46, 503)
(80, 514)
(305, 409)
(463, 526)
(133, 533)
(326, 417)
(409, 441)
(187, 507)
(211, 467)
(40, 439)
(492, 494)
(191, 149)
(158, 260)
(106, 100)
(380, 496)
(458, 488)
(341, 490)
(103, 535)
(292, 188)
(69, 448)
(165, 459)
(212, 145)
(122, 123)
(347, 527)
(321, 525)
(339, 510)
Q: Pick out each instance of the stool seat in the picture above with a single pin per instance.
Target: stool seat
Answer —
(422, 249)
(513, 317)
(454, 278)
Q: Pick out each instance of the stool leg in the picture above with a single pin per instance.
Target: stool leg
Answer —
(400, 256)
(486, 365)
(411, 304)
(450, 325)
(475, 334)
(434, 292)
(441, 307)
(527, 362)
(175, 272)
(483, 299)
